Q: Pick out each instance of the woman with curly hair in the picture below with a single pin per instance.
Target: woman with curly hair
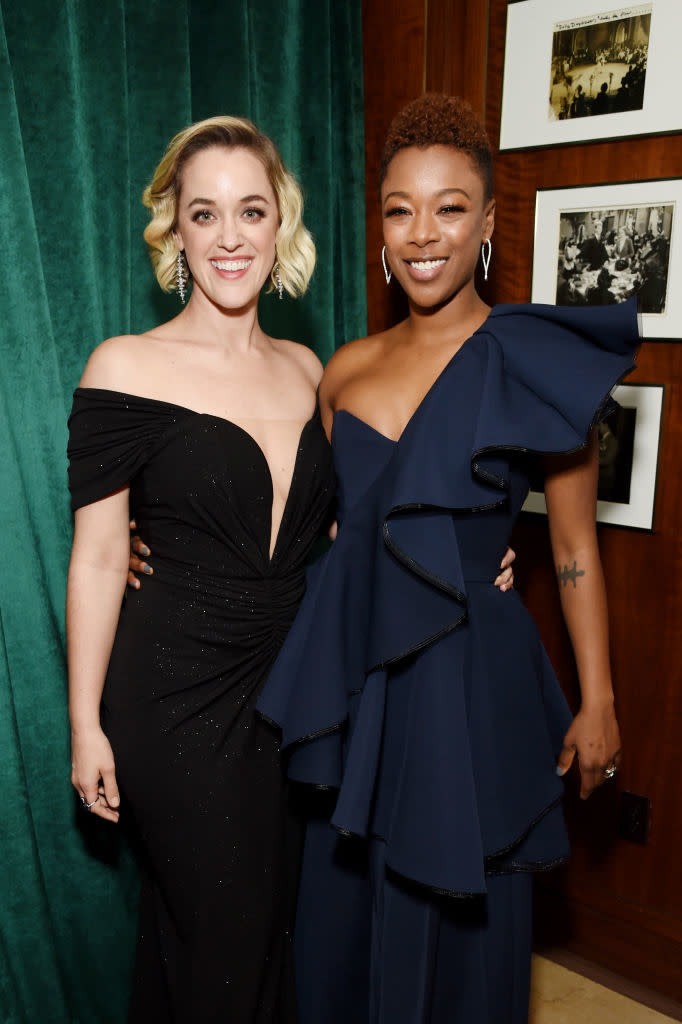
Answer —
(409, 688)
(210, 431)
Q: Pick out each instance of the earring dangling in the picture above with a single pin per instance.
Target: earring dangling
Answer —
(387, 272)
(485, 256)
(278, 281)
(181, 274)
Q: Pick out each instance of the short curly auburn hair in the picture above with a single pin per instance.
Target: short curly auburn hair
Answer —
(435, 119)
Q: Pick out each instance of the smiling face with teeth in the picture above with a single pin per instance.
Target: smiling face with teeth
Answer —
(435, 217)
(227, 224)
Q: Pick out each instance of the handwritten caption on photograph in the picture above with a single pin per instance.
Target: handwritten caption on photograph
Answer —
(597, 19)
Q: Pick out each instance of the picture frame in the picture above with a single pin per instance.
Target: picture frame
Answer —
(601, 244)
(628, 456)
(582, 70)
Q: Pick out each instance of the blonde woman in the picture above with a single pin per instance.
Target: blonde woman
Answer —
(209, 429)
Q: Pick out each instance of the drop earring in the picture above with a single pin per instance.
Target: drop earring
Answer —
(278, 280)
(387, 272)
(181, 275)
(486, 253)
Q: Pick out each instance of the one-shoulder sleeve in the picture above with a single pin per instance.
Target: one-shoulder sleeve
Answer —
(111, 436)
(417, 690)
(532, 379)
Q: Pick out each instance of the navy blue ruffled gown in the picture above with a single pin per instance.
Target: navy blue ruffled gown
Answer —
(420, 698)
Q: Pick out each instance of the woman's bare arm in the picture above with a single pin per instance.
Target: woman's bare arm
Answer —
(571, 493)
(96, 583)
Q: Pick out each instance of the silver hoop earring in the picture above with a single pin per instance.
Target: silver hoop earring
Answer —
(278, 280)
(181, 275)
(486, 253)
(387, 272)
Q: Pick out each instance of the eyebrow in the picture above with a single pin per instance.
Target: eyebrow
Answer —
(245, 199)
(440, 192)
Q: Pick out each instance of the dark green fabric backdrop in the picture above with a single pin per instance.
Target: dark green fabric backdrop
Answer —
(89, 95)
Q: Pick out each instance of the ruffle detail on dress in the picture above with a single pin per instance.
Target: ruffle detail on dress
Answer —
(407, 680)
(532, 379)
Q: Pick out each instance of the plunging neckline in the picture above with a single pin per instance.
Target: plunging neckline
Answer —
(272, 549)
(427, 394)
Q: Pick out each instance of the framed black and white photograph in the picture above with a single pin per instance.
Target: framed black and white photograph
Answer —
(599, 245)
(628, 460)
(577, 70)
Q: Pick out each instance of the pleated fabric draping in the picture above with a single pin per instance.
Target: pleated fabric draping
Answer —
(89, 96)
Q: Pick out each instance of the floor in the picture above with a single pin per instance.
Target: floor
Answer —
(560, 996)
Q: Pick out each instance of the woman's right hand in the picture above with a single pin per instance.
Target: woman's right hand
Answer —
(137, 548)
(505, 580)
(93, 774)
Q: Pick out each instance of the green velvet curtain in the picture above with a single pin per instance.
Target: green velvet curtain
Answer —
(89, 95)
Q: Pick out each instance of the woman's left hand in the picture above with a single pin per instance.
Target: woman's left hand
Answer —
(505, 581)
(594, 736)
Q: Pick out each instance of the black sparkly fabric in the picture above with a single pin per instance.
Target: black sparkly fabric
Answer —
(198, 768)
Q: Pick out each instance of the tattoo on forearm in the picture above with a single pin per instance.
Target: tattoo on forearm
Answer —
(567, 575)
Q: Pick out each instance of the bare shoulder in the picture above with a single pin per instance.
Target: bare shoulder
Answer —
(352, 358)
(112, 364)
(304, 358)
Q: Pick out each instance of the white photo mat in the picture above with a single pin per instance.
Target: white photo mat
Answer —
(616, 202)
(528, 75)
(638, 513)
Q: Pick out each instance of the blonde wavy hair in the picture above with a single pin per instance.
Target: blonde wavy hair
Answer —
(295, 249)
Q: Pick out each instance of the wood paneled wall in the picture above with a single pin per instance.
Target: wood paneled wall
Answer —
(617, 903)
(394, 42)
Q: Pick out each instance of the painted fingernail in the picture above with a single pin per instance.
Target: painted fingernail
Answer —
(145, 551)
(147, 569)
(559, 770)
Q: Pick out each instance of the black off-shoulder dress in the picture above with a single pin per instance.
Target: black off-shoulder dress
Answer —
(198, 768)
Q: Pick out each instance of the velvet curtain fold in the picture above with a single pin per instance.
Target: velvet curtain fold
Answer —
(89, 96)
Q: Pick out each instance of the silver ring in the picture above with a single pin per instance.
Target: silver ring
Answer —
(88, 806)
(610, 771)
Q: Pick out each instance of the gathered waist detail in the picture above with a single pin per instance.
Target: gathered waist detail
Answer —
(186, 631)
(218, 610)
(220, 585)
